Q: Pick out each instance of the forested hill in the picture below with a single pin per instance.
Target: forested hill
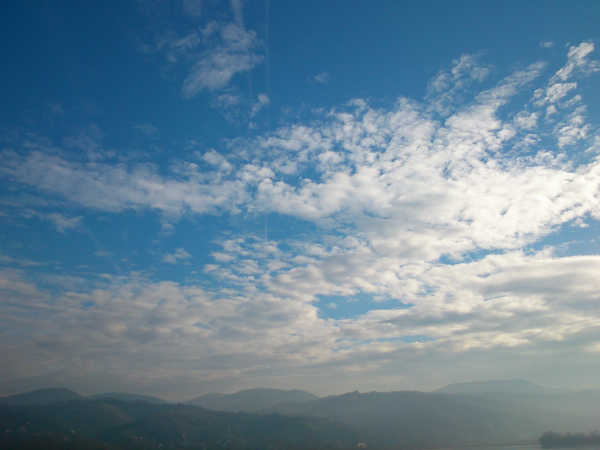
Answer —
(252, 400)
(474, 413)
(113, 424)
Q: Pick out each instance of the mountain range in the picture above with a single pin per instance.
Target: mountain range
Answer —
(501, 411)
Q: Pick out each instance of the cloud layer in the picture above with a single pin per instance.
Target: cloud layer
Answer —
(433, 212)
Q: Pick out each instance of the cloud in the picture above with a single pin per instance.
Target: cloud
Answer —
(210, 55)
(322, 78)
(178, 255)
(572, 130)
(555, 92)
(448, 86)
(434, 212)
(63, 223)
(578, 61)
(546, 44)
(261, 102)
(237, 7)
(193, 7)
(235, 50)
(146, 129)
(89, 141)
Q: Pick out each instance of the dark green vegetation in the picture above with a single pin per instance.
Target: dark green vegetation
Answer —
(498, 412)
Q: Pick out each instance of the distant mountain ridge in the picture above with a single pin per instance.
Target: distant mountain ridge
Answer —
(497, 411)
(126, 397)
(38, 397)
(252, 400)
(516, 386)
(50, 396)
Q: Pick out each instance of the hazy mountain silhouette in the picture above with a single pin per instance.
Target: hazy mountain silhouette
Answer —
(41, 397)
(252, 400)
(494, 387)
(467, 413)
(418, 418)
(125, 397)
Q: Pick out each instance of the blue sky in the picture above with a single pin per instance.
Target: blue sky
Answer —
(207, 196)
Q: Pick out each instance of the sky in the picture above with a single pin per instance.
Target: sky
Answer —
(206, 196)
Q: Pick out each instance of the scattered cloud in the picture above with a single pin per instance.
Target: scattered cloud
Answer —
(435, 211)
(232, 50)
(322, 78)
(578, 61)
(146, 129)
(178, 255)
(261, 102)
(447, 87)
(63, 223)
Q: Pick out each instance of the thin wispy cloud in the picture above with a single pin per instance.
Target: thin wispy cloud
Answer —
(178, 255)
(233, 50)
(322, 78)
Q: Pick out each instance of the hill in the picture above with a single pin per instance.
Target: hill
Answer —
(419, 419)
(125, 425)
(252, 400)
(494, 387)
(41, 397)
(125, 397)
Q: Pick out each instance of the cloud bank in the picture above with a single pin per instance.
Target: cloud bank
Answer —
(434, 212)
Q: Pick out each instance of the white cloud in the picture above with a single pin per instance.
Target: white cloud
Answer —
(63, 223)
(572, 130)
(178, 255)
(578, 61)
(555, 92)
(262, 101)
(322, 78)
(396, 194)
(525, 120)
(448, 85)
(546, 44)
(236, 51)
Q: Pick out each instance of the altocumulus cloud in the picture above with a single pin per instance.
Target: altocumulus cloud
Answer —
(432, 209)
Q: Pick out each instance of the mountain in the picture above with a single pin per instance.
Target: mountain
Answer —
(470, 413)
(419, 419)
(41, 397)
(495, 412)
(125, 397)
(111, 424)
(494, 387)
(252, 400)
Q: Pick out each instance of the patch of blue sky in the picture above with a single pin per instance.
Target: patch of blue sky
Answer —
(409, 338)
(467, 257)
(349, 307)
(580, 236)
